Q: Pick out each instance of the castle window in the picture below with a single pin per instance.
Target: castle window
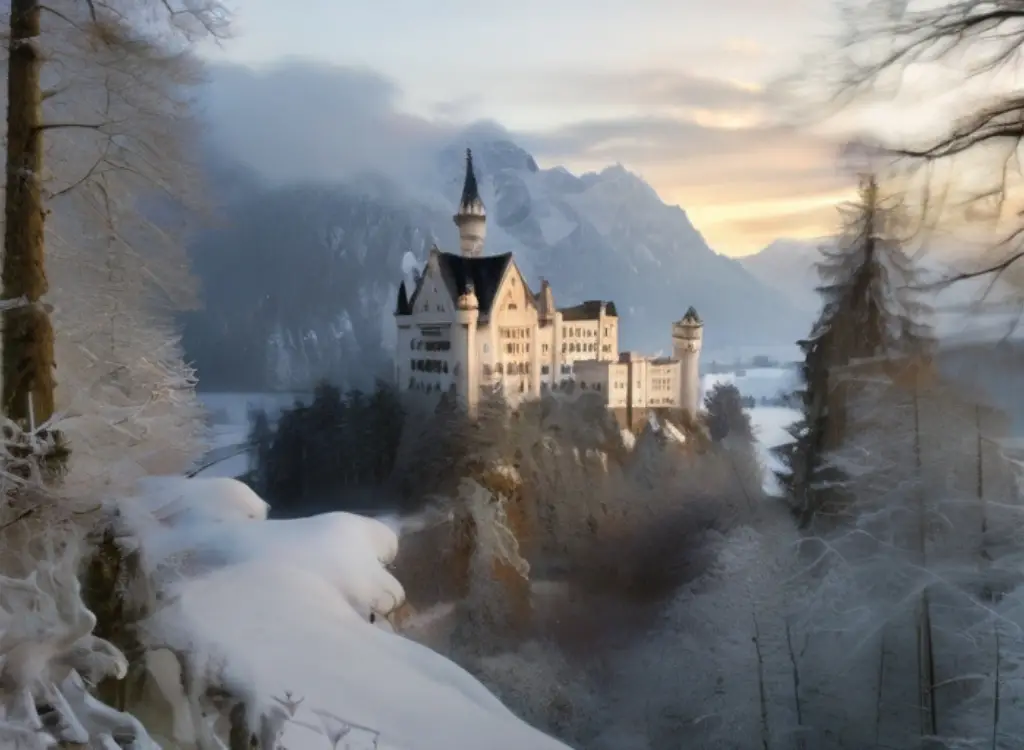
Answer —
(544, 348)
(564, 346)
(444, 367)
(544, 369)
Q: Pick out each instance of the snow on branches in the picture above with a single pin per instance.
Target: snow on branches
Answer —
(49, 659)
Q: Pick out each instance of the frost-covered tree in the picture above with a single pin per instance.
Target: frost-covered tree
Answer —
(905, 600)
(871, 308)
(98, 95)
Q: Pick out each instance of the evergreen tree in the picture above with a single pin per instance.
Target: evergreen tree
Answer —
(725, 415)
(261, 444)
(870, 311)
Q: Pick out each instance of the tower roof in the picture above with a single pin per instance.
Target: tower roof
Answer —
(471, 203)
(403, 307)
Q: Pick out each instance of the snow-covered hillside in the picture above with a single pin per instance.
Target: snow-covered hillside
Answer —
(280, 611)
(787, 265)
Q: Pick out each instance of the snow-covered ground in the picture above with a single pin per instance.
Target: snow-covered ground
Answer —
(279, 612)
(770, 423)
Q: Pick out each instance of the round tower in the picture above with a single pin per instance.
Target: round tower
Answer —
(467, 368)
(687, 338)
(471, 218)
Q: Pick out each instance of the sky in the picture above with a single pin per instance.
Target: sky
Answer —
(682, 92)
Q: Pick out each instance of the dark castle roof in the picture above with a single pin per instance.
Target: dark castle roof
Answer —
(403, 307)
(484, 273)
(470, 189)
(589, 310)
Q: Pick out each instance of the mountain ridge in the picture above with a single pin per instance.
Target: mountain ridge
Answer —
(300, 280)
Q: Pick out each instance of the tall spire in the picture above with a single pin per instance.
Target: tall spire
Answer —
(471, 218)
(470, 190)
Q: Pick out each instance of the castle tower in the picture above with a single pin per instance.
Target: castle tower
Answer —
(687, 338)
(467, 379)
(471, 218)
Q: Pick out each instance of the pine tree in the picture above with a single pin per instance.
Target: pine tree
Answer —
(725, 414)
(870, 311)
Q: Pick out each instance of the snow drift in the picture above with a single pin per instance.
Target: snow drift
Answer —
(289, 617)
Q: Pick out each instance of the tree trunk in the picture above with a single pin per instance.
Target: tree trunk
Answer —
(28, 361)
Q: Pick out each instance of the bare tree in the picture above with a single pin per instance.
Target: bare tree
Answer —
(969, 169)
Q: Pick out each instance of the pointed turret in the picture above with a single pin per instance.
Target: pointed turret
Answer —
(403, 307)
(471, 218)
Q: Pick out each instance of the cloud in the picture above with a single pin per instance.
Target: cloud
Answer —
(656, 88)
(703, 141)
(812, 221)
(309, 121)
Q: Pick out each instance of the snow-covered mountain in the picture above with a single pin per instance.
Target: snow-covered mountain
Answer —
(974, 309)
(787, 266)
(302, 280)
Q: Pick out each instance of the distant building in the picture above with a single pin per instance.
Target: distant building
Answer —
(472, 323)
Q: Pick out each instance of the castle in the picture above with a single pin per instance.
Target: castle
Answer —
(472, 323)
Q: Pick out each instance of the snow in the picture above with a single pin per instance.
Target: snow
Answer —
(760, 382)
(275, 608)
(770, 423)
